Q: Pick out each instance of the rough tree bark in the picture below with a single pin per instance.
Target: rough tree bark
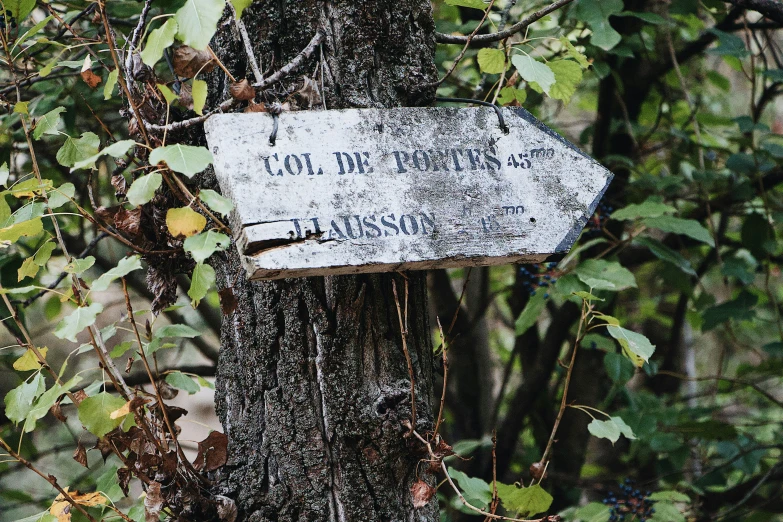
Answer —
(312, 382)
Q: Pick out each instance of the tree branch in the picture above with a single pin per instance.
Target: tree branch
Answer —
(502, 35)
(772, 9)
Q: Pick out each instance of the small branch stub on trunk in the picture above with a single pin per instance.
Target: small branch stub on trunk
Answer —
(375, 190)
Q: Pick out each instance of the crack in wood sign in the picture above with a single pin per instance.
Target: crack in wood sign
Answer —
(374, 190)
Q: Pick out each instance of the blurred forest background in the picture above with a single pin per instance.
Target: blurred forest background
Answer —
(680, 99)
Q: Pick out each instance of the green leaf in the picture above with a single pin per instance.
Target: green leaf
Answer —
(185, 159)
(739, 309)
(143, 189)
(157, 42)
(619, 369)
(687, 227)
(666, 512)
(534, 71)
(197, 22)
(605, 430)
(240, 6)
(529, 315)
(597, 13)
(632, 342)
(650, 18)
(476, 491)
(33, 30)
(525, 502)
(29, 361)
(568, 74)
(599, 274)
(19, 8)
(199, 93)
(121, 348)
(115, 150)
(510, 94)
(592, 512)
(758, 235)
(111, 82)
(475, 4)
(95, 413)
(203, 245)
(78, 149)
(665, 253)
(19, 401)
(491, 61)
(729, 44)
(46, 401)
(47, 124)
(78, 266)
(648, 209)
(580, 58)
(61, 195)
(670, 496)
(28, 228)
(220, 204)
(170, 95)
(123, 268)
(183, 382)
(81, 318)
(201, 281)
(176, 330)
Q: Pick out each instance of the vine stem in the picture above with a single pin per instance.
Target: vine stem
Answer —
(563, 404)
(404, 333)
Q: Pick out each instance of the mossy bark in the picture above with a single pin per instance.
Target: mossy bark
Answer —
(312, 381)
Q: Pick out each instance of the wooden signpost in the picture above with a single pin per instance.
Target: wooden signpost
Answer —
(374, 190)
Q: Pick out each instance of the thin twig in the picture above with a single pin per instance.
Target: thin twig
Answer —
(467, 44)
(564, 402)
(404, 333)
(445, 379)
(502, 35)
(240, 26)
(48, 478)
(231, 103)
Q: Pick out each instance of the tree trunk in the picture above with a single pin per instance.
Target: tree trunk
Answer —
(312, 382)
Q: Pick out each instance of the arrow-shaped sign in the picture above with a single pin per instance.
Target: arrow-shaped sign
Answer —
(374, 190)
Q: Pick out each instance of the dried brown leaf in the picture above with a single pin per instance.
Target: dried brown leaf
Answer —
(79, 396)
(310, 94)
(124, 476)
(129, 222)
(57, 411)
(422, 493)
(89, 77)
(212, 452)
(188, 62)
(120, 185)
(80, 455)
(153, 502)
(186, 96)
(256, 107)
(242, 90)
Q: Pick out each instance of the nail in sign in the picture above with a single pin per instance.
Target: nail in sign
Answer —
(376, 190)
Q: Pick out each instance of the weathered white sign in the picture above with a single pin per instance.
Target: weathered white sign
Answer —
(373, 190)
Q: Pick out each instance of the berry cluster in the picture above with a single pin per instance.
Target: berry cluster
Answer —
(7, 17)
(630, 502)
(602, 214)
(535, 277)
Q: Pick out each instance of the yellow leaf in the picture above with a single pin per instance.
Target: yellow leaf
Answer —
(29, 361)
(28, 269)
(61, 508)
(121, 412)
(184, 222)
